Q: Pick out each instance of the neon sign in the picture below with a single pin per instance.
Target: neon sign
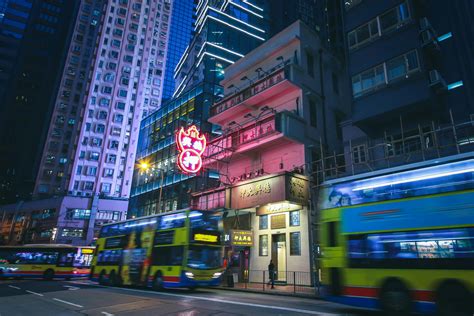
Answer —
(191, 145)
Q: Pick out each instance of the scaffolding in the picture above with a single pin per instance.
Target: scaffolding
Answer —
(365, 154)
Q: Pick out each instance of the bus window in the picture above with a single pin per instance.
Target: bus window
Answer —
(83, 258)
(109, 257)
(202, 257)
(168, 256)
(332, 234)
(204, 221)
(66, 259)
(172, 221)
(36, 257)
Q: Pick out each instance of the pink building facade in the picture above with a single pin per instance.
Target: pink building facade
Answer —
(271, 120)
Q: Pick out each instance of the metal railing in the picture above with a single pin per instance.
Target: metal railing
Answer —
(285, 282)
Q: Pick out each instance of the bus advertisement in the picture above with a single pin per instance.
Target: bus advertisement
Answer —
(46, 261)
(401, 242)
(174, 249)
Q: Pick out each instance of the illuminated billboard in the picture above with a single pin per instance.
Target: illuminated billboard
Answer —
(191, 145)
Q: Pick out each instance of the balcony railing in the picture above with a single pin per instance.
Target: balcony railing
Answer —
(263, 84)
(237, 139)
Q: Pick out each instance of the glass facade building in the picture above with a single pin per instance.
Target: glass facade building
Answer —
(181, 28)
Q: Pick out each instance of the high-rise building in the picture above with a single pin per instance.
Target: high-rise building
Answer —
(112, 78)
(34, 37)
(182, 19)
(224, 32)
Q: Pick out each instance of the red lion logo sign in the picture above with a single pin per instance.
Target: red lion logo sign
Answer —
(191, 145)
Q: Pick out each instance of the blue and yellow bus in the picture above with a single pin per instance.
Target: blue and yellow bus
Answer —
(401, 241)
(175, 249)
(46, 261)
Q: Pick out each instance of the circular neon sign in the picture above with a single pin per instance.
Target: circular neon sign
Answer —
(191, 145)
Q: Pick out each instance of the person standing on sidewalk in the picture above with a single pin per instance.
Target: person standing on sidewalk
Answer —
(271, 274)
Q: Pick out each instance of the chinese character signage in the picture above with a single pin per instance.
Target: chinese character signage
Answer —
(241, 238)
(191, 145)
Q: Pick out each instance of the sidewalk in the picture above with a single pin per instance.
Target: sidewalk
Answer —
(287, 290)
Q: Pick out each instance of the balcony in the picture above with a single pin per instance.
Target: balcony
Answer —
(278, 129)
(279, 82)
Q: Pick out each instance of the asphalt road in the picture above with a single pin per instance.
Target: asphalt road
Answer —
(82, 297)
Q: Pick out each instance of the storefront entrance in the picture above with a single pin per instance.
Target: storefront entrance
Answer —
(279, 255)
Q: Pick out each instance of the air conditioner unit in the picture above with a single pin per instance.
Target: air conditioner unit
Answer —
(427, 37)
(436, 81)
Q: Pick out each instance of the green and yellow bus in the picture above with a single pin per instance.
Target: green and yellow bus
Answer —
(176, 249)
(402, 241)
(46, 261)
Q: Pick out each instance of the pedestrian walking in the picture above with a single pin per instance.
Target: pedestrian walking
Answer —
(271, 274)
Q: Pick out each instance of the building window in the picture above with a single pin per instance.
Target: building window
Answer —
(399, 67)
(111, 158)
(72, 232)
(91, 171)
(120, 105)
(295, 218)
(94, 156)
(359, 154)
(108, 173)
(105, 187)
(295, 244)
(375, 28)
(88, 185)
(77, 214)
(263, 222)
(263, 245)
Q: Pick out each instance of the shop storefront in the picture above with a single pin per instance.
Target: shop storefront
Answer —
(268, 220)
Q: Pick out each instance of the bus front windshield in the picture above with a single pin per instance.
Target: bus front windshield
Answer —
(203, 257)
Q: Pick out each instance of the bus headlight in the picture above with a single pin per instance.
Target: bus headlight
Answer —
(217, 274)
(189, 275)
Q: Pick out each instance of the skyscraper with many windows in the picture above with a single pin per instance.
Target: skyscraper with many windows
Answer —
(112, 77)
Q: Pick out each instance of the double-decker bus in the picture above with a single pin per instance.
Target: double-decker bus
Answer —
(401, 241)
(176, 249)
(46, 261)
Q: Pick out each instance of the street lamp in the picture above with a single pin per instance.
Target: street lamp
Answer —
(144, 166)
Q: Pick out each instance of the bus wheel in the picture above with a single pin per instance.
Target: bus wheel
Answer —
(453, 299)
(102, 278)
(158, 282)
(48, 275)
(113, 279)
(395, 299)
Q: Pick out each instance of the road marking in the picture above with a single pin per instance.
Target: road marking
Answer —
(107, 314)
(217, 300)
(39, 294)
(15, 287)
(72, 288)
(66, 302)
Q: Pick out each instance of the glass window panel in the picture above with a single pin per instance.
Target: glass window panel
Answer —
(363, 33)
(263, 245)
(295, 244)
(412, 60)
(389, 20)
(396, 68)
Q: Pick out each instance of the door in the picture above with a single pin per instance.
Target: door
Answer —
(279, 256)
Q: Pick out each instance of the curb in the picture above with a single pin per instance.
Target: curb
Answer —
(268, 292)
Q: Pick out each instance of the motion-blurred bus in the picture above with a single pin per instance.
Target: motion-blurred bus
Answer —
(175, 249)
(402, 241)
(46, 261)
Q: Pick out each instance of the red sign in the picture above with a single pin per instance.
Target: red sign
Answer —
(191, 145)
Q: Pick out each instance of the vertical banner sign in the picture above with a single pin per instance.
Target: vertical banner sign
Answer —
(191, 145)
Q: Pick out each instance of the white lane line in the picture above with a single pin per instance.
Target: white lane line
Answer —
(217, 300)
(39, 294)
(66, 302)
(15, 287)
(105, 313)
